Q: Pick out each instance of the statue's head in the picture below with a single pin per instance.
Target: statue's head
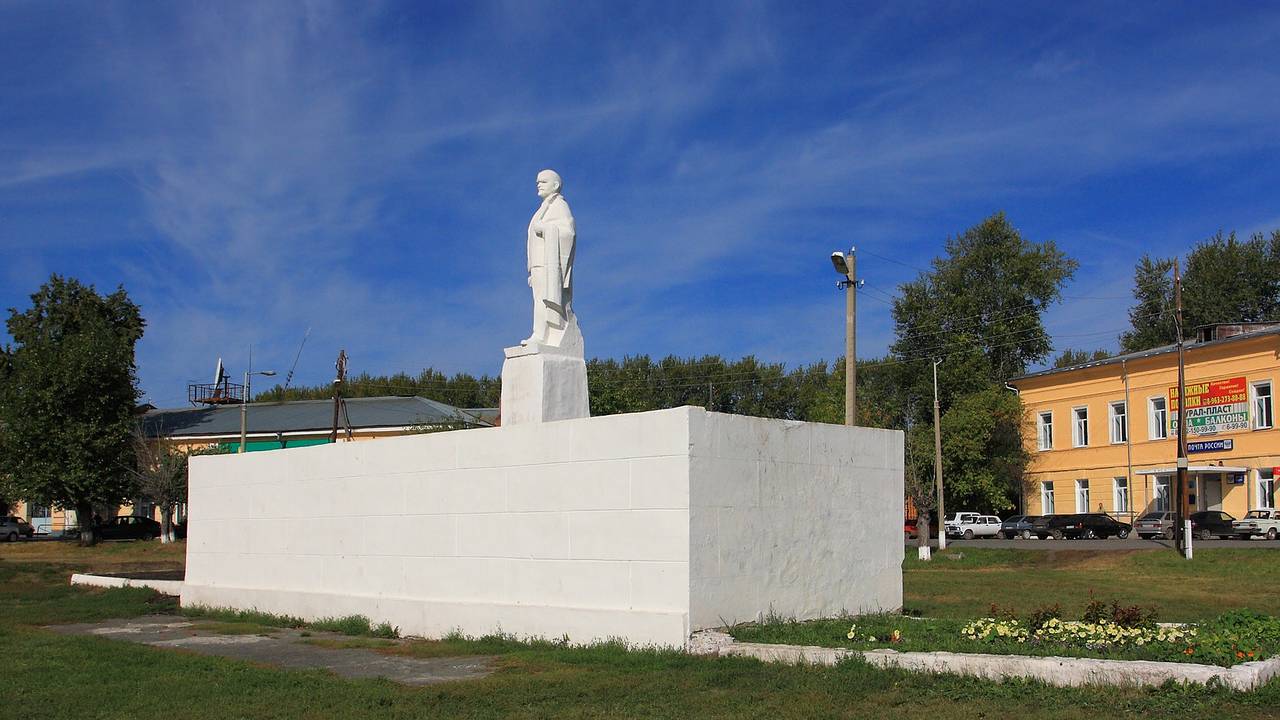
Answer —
(549, 183)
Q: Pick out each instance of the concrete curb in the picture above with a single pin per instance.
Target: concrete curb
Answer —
(1058, 671)
(164, 587)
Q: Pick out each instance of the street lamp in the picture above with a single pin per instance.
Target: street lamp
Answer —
(937, 459)
(244, 400)
(846, 265)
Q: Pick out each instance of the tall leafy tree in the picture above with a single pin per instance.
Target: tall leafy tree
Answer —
(67, 394)
(1070, 357)
(1229, 280)
(979, 309)
(1225, 280)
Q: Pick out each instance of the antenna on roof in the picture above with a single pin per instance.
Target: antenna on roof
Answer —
(220, 392)
(289, 378)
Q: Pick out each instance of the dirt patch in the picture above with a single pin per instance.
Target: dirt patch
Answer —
(287, 648)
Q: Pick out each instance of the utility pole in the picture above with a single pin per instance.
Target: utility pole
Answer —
(851, 342)
(1181, 536)
(937, 460)
(245, 392)
(847, 264)
(341, 367)
(244, 398)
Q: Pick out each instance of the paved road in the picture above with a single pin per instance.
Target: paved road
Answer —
(1130, 543)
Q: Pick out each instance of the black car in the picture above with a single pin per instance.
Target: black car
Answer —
(129, 527)
(1086, 526)
(1040, 526)
(1209, 524)
(1018, 526)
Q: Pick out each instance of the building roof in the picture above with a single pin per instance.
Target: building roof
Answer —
(1150, 353)
(305, 415)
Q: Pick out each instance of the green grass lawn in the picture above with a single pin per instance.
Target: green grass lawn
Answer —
(52, 676)
(962, 583)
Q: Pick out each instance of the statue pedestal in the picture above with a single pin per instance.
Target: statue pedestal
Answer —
(542, 383)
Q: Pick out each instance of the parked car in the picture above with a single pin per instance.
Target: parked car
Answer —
(1086, 526)
(1018, 526)
(13, 527)
(1209, 524)
(129, 527)
(1258, 522)
(980, 526)
(962, 517)
(1155, 524)
(1040, 526)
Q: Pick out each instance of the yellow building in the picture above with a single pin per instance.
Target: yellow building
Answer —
(1103, 435)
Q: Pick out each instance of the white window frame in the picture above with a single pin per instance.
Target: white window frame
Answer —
(1076, 427)
(1158, 425)
(1046, 497)
(1162, 501)
(1044, 430)
(1264, 489)
(1082, 495)
(1118, 421)
(1120, 495)
(1257, 410)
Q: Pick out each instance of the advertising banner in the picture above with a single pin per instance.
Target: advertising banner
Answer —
(1212, 407)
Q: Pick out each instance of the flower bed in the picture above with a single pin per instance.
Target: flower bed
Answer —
(1231, 638)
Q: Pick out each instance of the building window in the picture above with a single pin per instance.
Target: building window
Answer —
(1163, 486)
(1119, 422)
(1263, 411)
(1082, 496)
(1158, 419)
(1046, 497)
(1080, 428)
(1044, 430)
(1266, 490)
(1120, 495)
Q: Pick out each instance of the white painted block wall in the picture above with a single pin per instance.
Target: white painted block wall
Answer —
(644, 526)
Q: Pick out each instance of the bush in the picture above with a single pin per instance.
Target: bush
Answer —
(1095, 611)
(1133, 616)
(1239, 636)
(1039, 617)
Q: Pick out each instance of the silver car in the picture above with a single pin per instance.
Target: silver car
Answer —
(12, 528)
(1155, 524)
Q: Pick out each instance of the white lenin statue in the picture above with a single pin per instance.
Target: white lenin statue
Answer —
(550, 262)
(544, 378)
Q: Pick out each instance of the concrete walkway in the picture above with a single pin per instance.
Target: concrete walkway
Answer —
(285, 648)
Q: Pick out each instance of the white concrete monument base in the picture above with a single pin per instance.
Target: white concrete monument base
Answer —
(645, 527)
(541, 383)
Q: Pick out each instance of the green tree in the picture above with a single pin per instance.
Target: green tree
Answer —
(1152, 318)
(1229, 280)
(67, 395)
(983, 456)
(1225, 280)
(1070, 357)
(460, 390)
(980, 309)
(982, 304)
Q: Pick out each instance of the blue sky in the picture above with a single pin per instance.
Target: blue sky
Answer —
(366, 169)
